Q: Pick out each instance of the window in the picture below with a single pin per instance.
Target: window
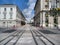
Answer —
(11, 9)
(46, 6)
(10, 16)
(4, 16)
(4, 9)
(55, 21)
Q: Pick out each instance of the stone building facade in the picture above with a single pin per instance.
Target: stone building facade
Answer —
(42, 13)
(10, 16)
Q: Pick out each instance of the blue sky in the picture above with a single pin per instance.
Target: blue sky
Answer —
(26, 6)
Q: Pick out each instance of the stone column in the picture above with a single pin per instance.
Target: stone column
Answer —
(44, 19)
(41, 16)
(51, 21)
(59, 22)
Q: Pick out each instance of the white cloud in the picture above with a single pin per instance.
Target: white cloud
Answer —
(28, 20)
(31, 1)
(32, 6)
(25, 11)
(28, 12)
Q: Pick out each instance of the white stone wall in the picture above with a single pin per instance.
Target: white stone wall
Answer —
(7, 24)
(44, 19)
(16, 16)
(59, 22)
(7, 13)
(42, 14)
(42, 4)
(40, 19)
(51, 21)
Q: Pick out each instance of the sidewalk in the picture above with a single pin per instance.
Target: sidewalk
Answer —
(50, 29)
(52, 33)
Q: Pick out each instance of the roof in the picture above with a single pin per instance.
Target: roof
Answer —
(8, 5)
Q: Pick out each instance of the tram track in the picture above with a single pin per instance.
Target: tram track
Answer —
(37, 37)
(18, 38)
(7, 40)
(34, 38)
(46, 38)
(7, 36)
(41, 37)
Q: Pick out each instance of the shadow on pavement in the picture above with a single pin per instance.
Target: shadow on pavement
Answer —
(8, 31)
(48, 32)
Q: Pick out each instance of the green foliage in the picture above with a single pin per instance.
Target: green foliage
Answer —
(55, 11)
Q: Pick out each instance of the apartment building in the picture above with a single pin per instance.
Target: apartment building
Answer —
(42, 13)
(41, 8)
(10, 16)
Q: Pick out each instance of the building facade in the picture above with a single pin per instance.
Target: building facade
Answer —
(42, 13)
(10, 16)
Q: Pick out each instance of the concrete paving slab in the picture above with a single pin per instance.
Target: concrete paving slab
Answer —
(26, 39)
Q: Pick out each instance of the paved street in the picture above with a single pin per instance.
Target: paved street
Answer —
(52, 33)
(29, 22)
(29, 35)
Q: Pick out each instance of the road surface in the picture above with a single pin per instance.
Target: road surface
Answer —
(28, 35)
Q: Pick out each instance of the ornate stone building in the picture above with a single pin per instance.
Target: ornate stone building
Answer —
(10, 16)
(43, 17)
